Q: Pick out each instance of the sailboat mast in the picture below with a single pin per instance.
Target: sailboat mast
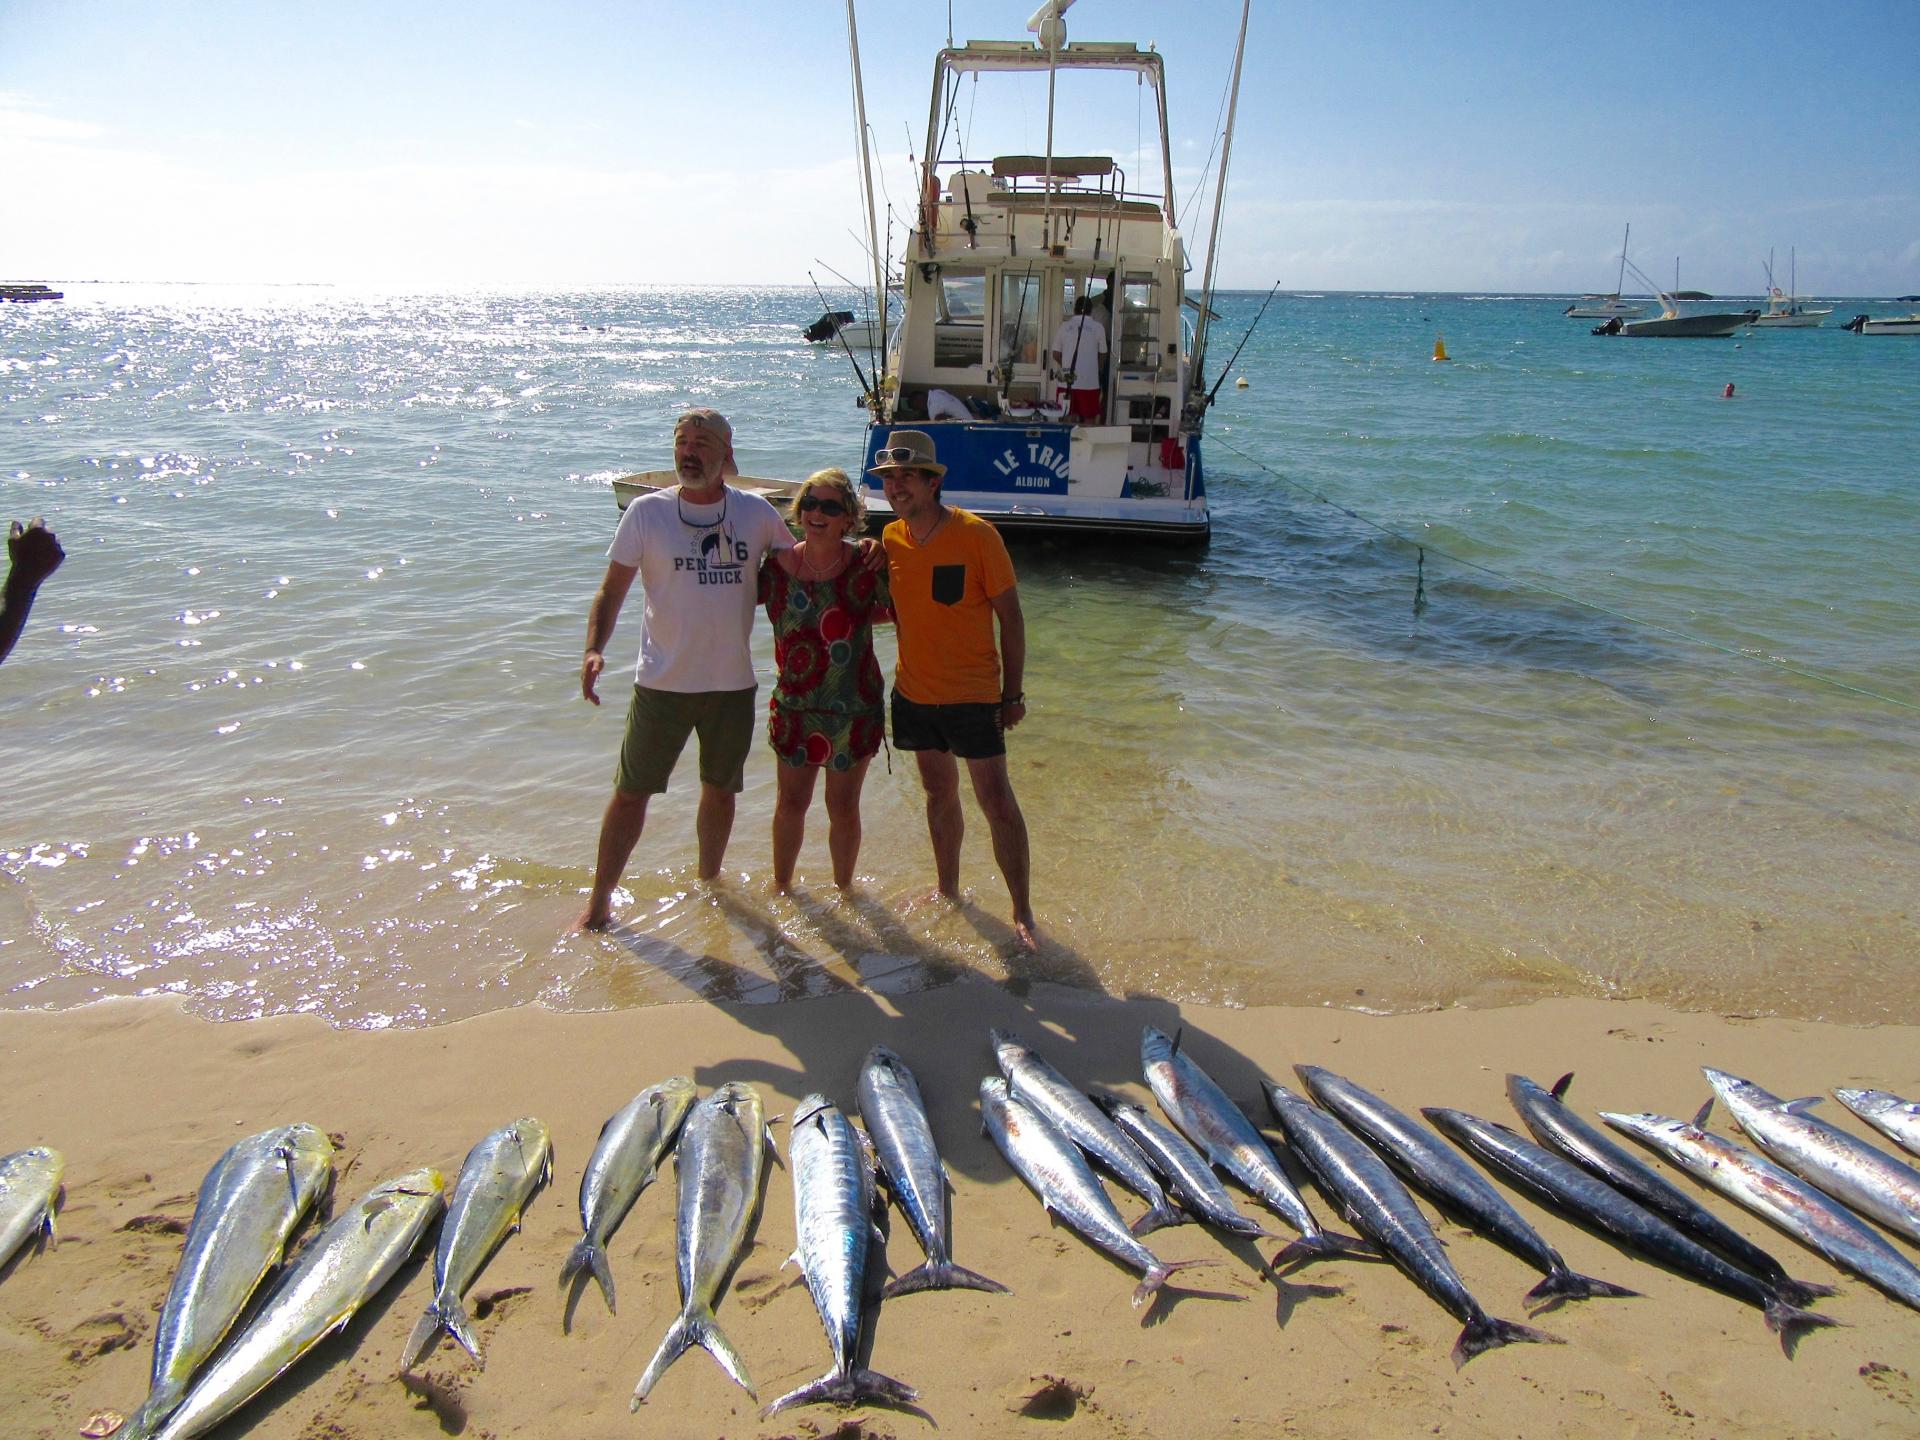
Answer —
(866, 169)
(1620, 281)
(1219, 198)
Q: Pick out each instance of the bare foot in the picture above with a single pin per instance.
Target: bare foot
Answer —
(1027, 933)
(591, 920)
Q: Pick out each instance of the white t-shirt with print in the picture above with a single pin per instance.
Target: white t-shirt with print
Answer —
(1080, 342)
(699, 569)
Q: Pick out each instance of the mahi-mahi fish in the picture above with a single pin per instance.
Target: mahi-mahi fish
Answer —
(833, 1215)
(1207, 1116)
(1057, 1172)
(1893, 1117)
(902, 1137)
(1566, 1186)
(497, 1179)
(348, 1265)
(1435, 1167)
(718, 1164)
(625, 1159)
(29, 1194)
(1036, 1083)
(249, 1204)
(1555, 1126)
(1778, 1197)
(1190, 1179)
(1374, 1200)
(1850, 1170)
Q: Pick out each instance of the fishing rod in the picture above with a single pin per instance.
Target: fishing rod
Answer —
(1242, 345)
(840, 334)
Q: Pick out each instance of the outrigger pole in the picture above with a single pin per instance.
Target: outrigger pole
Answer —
(1219, 198)
(873, 230)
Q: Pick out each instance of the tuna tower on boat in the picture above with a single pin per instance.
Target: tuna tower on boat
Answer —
(1002, 248)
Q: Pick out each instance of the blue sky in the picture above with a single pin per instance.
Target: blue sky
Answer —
(1382, 144)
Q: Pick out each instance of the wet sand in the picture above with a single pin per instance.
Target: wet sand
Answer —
(141, 1098)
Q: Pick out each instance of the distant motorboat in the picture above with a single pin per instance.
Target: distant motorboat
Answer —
(1886, 325)
(1785, 309)
(1670, 324)
(25, 294)
(1606, 307)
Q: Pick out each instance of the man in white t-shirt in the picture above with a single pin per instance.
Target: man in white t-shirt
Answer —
(696, 549)
(1079, 348)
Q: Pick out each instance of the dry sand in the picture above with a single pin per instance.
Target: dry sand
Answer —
(141, 1098)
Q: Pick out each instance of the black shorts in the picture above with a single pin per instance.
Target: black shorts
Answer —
(970, 731)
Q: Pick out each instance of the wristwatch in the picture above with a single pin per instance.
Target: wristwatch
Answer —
(1019, 699)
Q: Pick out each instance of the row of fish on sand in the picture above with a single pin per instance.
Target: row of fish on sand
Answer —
(1356, 1148)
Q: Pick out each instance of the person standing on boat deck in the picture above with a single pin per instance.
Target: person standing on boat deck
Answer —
(828, 710)
(696, 549)
(955, 692)
(1079, 350)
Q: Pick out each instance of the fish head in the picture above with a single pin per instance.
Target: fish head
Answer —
(1317, 1080)
(1643, 1123)
(1742, 1097)
(1114, 1105)
(741, 1101)
(815, 1109)
(1524, 1092)
(1007, 1049)
(1449, 1122)
(673, 1090)
(1156, 1047)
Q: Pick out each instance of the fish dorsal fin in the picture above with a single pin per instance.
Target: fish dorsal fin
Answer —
(1701, 1115)
(1177, 1034)
(1560, 1086)
(1802, 1105)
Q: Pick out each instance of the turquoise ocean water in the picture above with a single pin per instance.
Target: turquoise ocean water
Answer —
(297, 726)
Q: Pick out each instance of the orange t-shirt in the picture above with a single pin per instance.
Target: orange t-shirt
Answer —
(942, 615)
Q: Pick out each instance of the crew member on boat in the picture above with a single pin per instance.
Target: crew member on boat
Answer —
(696, 548)
(1079, 350)
(955, 691)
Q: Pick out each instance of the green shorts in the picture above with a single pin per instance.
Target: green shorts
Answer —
(658, 723)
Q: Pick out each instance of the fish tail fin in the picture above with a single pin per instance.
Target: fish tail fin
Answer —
(588, 1255)
(421, 1340)
(1165, 1213)
(1801, 1292)
(1158, 1276)
(153, 1412)
(1327, 1245)
(854, 1388)
(1565, 1284)
(1789, 1322)
(461, 1328)
(940, 1275)
(49, 1234)
(1484, 1333)
(688, 1330)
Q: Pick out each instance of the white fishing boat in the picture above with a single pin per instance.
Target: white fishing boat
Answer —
(1885, 325)
(1674, 324)
(1605, 307)
(1000, 249)
(1787, 309)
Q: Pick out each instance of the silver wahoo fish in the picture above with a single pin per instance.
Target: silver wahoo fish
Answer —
(249, 1204)
(833, 1216)
(29, 1194)
(896, 1119)
(1556, 1126)
(497, 1179)
(1055, 1170)
(1897, 1119)
(1435, 1167)
(1566, 1186)
(1850, 1170)
(1032, 1080)
(1379, 1204)
(718, 1164)
(625, 1159)
(1204, 1113)
(1782, 1199)
(1190, 1179)
(345, 1267)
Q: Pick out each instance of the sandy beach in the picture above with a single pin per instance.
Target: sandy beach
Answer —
(141, 1098)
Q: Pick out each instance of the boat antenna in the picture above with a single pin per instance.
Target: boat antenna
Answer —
(1227, 369)
(840, 334)
(1050, 29)
(1219, 198)
(866, 167)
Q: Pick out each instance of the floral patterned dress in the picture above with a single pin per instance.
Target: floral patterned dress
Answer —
(828, 706)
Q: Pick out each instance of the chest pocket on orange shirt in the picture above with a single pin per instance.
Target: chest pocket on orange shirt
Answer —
(949, 584)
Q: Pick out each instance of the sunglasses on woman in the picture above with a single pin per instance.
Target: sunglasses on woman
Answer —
(832, 509)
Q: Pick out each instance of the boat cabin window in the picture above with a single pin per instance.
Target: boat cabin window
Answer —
(959, 337)
(1139, 323)
(1019, 318)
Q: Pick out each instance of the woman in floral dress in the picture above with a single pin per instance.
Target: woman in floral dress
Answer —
(828, 707)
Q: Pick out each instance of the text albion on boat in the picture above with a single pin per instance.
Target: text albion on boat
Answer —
(1000, 249)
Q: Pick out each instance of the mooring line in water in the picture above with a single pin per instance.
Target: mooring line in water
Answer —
(1420, 593)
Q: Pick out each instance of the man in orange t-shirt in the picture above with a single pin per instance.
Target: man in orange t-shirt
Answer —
(955, 691)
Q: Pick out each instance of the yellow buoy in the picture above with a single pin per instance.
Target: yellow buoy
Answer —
(1439, 348)
(1241, 383)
